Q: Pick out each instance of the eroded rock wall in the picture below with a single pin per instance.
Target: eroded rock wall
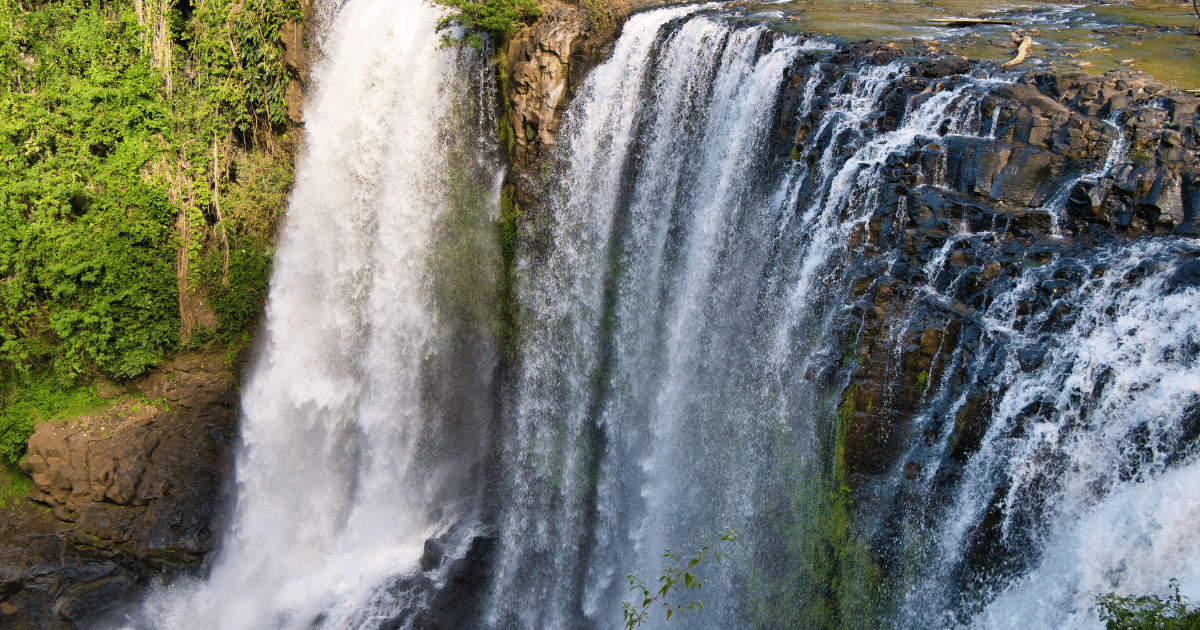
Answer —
(1037, 142)
(121, 497)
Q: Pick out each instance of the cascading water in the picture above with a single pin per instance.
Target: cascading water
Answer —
(769, 303)
(694, 341)
(1091, 448)
(364, 419)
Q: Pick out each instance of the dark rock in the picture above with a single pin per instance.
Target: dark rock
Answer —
(1025, 171)
(942, 67)
(1187, 275)
(432, 556)
(1030, 358)
(92, 601)
(1032, 98)
(1190, 201)
(464, 594)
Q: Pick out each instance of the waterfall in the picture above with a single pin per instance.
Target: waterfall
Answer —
(694, 338)
(1096, 443)
(766, 301)
(365, 415)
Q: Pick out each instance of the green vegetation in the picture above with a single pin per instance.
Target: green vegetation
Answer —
(509, 333)
(14, 485)
(27, 400)
(1149, 612)
(676, 575)
(829, 580)
(145, 158)
(597, 13)
(496, 19)
(31, 399)
(236, 286)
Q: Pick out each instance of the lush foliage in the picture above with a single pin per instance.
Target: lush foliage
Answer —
(29, 400)
(81, 231)
(1149, 612)
(236, 292)
(14, 485)
(677, 575)
(486, 18)
(139, 140)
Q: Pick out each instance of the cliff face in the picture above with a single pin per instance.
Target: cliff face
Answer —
(125, 497)
(1046, 129)
(121, 497)
(541, 66)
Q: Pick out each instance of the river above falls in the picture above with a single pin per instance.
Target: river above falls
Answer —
(1155, 36)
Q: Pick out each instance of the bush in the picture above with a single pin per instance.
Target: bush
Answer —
(492, 18)
(1148, 612)
(121, 138)
(678, 575)
(237, 296)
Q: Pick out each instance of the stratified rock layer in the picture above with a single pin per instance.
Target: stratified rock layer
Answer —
(120, 498)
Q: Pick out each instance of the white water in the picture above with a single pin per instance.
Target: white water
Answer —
(680, 358)
(681, 346)
(1117, 153)
(334, 477)
(1108, 470)
(665, 390)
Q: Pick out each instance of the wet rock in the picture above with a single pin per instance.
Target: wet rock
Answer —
(432, 556)
(464, 595)
(941, 67)
(1018, 173)
(88, 604)
(1187, 275)
(1190, 201)
(149, 483)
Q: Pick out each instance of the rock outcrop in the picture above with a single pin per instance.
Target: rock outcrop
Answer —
(1064, 165)
(1047, 132)
(120, 498)
(541, 66)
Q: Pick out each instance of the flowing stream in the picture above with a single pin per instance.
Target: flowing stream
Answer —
(692, 340)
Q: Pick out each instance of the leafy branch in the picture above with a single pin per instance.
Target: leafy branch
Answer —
(676, 575)
(1149, 612)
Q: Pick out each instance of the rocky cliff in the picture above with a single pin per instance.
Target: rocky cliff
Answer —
(1052, 173)
(539, 69)
(122, 497)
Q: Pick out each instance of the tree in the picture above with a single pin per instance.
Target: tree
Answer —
(486, 18)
